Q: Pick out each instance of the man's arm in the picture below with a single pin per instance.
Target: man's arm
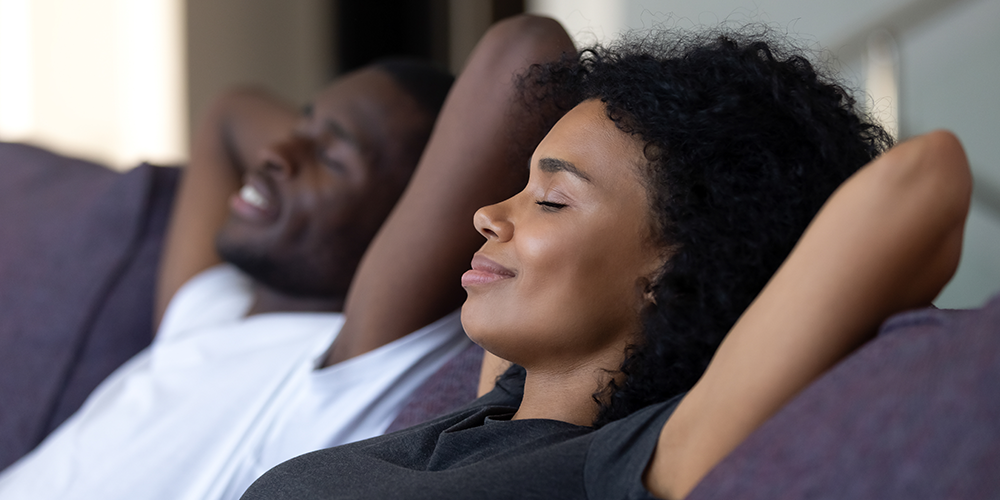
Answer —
(410, 275)
(239, 125)
(888, 240)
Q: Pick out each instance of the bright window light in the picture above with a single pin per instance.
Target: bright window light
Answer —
(882, 80)
(102, 79)
(16, 70)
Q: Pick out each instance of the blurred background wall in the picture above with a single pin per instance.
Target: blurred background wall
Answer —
(102, 79)
(121, 81)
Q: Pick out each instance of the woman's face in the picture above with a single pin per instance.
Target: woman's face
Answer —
(560, 280)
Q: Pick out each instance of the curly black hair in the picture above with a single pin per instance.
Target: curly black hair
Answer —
(745, 140)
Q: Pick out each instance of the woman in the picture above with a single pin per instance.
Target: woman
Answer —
(655, 211)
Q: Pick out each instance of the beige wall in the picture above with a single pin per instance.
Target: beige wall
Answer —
(468, 20)
(284, 45)
(101, 79)
(121, 81)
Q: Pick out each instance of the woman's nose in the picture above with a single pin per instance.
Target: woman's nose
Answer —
(494, 223)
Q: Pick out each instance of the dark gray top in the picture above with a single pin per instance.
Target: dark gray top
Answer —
(478, 452)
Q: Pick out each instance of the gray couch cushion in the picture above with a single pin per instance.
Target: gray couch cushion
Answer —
(914, 413)
(79, 245)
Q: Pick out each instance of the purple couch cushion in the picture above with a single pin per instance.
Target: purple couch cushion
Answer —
(78, 246)
(448, 389)
(915, 413)
(123, 319)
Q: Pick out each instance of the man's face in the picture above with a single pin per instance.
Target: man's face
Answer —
(309, 208)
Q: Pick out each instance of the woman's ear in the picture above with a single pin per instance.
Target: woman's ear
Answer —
(655, 271)
(649, 295)
(648, 291)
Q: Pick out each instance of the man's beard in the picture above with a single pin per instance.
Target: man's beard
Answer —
(292, 275)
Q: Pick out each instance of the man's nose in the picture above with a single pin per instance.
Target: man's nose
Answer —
(288, 156)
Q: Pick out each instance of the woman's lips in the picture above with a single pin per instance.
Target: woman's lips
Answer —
(485, 271)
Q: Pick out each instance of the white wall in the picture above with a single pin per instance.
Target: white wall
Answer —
(950, 69)
(101, 79)
(122, 81)
(949, 66)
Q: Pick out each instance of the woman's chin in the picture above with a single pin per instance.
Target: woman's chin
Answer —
(478, 326)
(469, 321)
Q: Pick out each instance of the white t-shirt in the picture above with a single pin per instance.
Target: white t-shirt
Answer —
(219, 398)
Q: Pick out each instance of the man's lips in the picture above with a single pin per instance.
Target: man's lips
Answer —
(255, 201)
(485, 271)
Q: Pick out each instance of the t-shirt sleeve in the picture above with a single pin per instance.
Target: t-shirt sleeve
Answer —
(217, 295)
(621, 450)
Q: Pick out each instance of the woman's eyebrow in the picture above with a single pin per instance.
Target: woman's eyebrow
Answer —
(553, 165)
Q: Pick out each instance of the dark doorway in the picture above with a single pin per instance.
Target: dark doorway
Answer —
(366, 30)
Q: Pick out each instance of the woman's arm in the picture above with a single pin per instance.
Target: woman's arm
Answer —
(887, 240)
(477, 155)
(240, 124)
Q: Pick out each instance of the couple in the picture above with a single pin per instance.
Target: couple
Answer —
(656, 211)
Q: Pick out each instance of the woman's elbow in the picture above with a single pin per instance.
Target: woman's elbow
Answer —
(931, 179)
(943, 166)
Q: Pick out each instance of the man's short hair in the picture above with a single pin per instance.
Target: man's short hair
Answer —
(426, 83)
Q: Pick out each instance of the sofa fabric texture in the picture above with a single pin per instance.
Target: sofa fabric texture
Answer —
(79, 248)
(914, 413)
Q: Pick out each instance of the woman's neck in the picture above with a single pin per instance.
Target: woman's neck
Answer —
(564, 389)
(567, 395)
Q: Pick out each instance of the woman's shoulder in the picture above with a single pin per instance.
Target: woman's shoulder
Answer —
(621, 450)
(475, 449)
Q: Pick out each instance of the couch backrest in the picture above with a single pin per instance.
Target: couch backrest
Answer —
(448, 389)
(914, 413)
(79, 247)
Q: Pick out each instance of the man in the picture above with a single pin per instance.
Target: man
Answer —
(310, 193)
(230, 385)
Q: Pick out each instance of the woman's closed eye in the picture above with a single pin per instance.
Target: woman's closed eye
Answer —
(550, 206)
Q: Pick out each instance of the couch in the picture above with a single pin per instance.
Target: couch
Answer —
(79, 251)
(914, 413)
(79, 247)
